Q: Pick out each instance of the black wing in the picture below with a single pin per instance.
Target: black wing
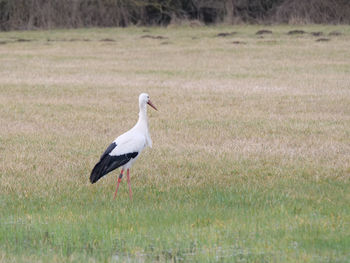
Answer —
(108, 163)
(108, 150)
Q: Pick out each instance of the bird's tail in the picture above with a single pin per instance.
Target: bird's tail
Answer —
(96, 173)
(99, 170)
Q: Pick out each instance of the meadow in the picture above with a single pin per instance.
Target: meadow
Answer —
(251, 144)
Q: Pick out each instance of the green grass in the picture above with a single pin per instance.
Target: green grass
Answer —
(240, 222)
(250, 158)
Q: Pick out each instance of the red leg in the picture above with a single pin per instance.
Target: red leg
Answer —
(119, 180)
(128, 177)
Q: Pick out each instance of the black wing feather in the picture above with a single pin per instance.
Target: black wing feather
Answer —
(108, 150)
(108, 163)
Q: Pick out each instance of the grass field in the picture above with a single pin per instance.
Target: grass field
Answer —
(251, 145)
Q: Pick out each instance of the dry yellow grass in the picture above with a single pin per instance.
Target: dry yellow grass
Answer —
(282, 98)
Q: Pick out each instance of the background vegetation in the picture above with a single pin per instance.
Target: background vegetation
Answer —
(33, 14)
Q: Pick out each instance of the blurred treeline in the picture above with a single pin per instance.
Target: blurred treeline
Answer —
(37, 14)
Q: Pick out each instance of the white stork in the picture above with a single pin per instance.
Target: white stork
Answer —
(124, 150)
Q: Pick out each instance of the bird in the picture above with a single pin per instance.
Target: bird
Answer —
(126, 148)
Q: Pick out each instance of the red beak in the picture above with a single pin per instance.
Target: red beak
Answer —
(151, 104)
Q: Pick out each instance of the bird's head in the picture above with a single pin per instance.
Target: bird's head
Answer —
(144, 99)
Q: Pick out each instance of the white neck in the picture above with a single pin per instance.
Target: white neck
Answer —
(142, 123)
(143, 120)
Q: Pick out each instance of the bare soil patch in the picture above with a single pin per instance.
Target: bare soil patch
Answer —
(68, 40)
(154, 37)
(226, 34)
(335, 33)
(296, 32)
(263, 32)
(323, 40)
(317, 34)
(24, 40)
(107, 40)
(239, 42)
